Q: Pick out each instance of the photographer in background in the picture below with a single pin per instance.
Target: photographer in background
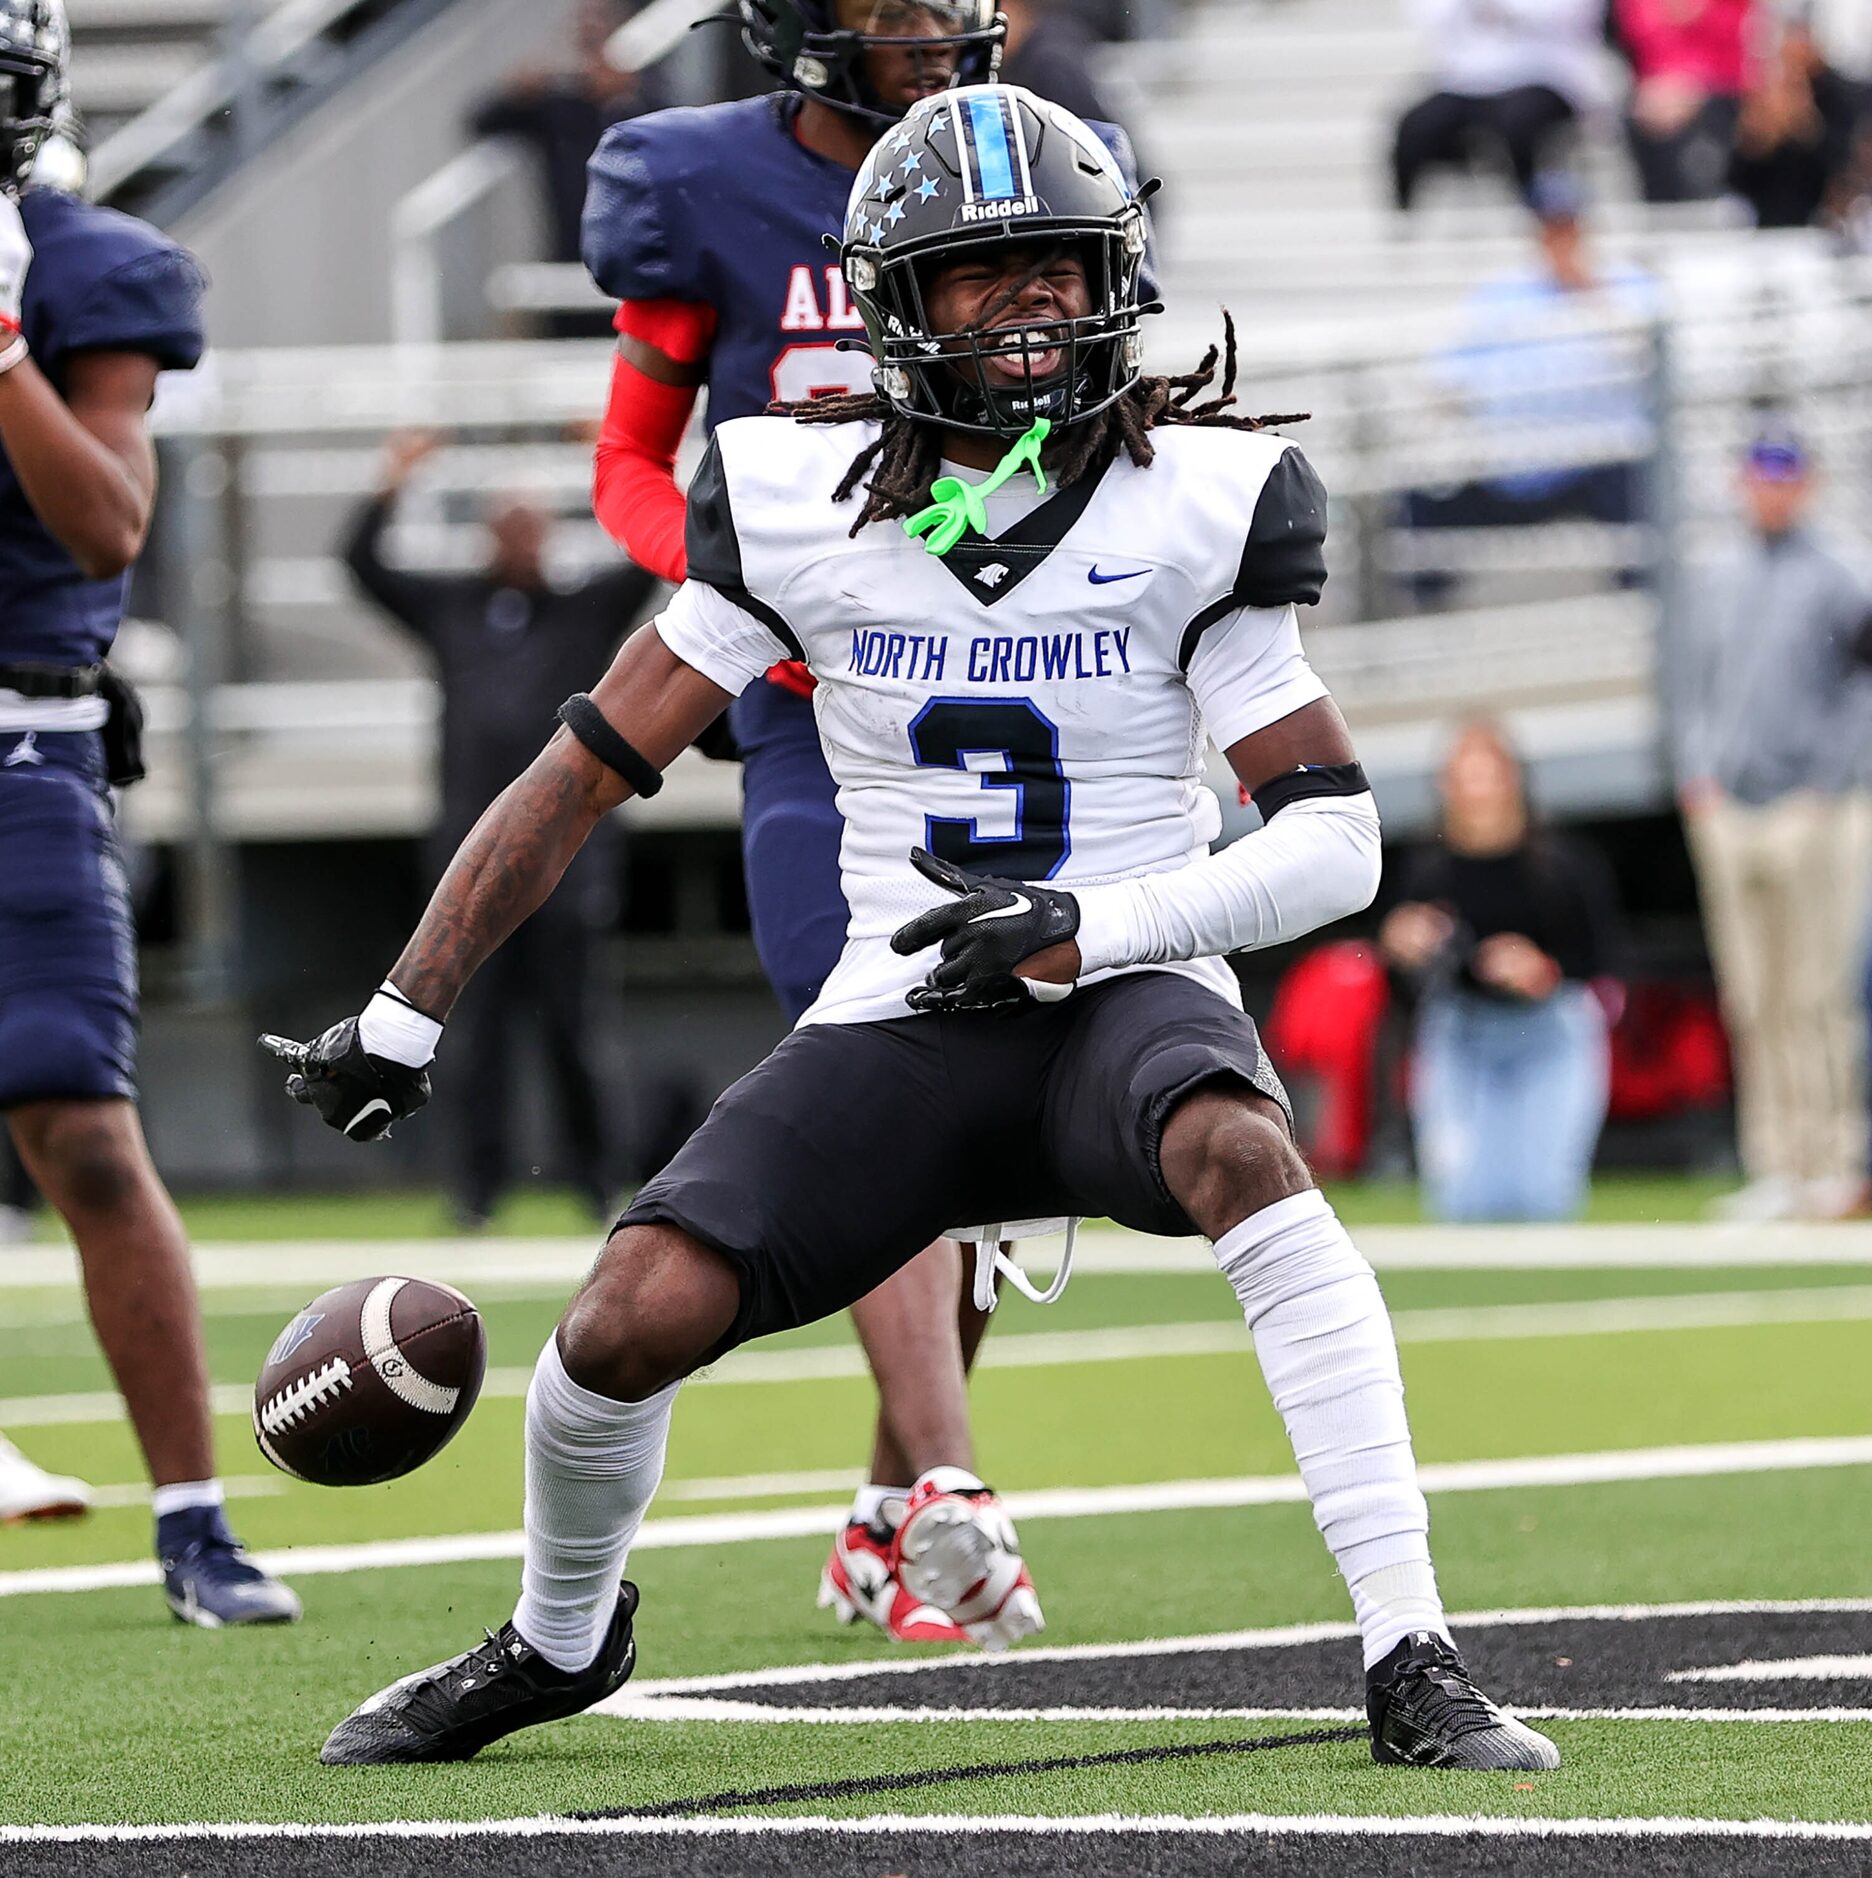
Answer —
(1503, 928)
(510, 646)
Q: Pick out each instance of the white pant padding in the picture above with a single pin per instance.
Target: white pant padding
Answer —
(1323, 1339)
(592, 1465)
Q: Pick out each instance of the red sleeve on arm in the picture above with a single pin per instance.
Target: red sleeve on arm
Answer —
(634, 492)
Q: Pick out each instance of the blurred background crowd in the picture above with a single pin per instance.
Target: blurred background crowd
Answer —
(1580, 297)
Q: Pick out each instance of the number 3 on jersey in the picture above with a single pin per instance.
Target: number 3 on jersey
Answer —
(946, 732)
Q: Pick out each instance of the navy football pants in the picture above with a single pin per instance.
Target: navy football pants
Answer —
(790, 835)
(68, 969)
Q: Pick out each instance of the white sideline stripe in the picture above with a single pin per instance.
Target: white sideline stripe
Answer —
(1168, 1496)
(701, 1708)
(1220, 1337)
(1789, 1669)
(235, 1486)
(927, 1825)
(796, 1675)
(563, 1260)
(762, 1486)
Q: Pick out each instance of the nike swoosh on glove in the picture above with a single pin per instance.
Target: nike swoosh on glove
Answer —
(987, 930)
(356, 1093)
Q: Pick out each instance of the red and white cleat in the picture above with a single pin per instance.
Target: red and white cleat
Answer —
(957, 1550)
(859, 1581)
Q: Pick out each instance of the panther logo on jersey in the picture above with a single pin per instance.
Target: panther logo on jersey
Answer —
(993, 574)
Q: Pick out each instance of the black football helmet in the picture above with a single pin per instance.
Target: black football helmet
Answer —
(818, 47)
(986, 166)
(35, 86)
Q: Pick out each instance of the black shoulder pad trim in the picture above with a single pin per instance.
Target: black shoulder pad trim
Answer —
(594, 730)
(1311, 779)
(714, 549)
(1284, 559)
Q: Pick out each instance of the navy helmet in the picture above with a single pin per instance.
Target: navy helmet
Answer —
(818, 47)
(983, 167)
(35, 87)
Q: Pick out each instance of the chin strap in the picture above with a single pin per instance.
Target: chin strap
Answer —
(990, 1259)
(957, 506)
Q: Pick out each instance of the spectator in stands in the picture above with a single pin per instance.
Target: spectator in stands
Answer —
(1536, 358)
(1774, 765)
(1503, 928)
(1511, 76)
(510, 645)
(1794, 143)
(1690, 64)
(561, 115)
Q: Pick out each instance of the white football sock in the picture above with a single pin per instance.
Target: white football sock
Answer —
(879, 1506)
(592, 1465)
(184, 1494)
(1323, 1338)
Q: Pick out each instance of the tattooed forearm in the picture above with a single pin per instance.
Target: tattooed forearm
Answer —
(508, 866)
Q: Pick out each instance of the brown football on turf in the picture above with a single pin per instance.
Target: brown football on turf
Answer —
(369, 1381)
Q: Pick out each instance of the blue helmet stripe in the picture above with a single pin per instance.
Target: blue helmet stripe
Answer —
(994, 157)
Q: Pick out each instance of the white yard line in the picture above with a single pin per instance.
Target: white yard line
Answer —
(552, 1263)
(1486, 1323)
(1789, 1669)
(626, 1706)
(923, 1827)
(235, 1486)
(800, 1675)
(798, 1522)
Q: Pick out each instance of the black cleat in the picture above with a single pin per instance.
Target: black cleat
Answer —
(1425, 1712)
(454, 1710)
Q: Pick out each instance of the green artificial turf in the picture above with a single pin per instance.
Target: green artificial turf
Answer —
(147, 1721)
(113, 1713)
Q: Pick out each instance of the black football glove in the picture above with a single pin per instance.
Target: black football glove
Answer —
(987, 930)
(356, 1093)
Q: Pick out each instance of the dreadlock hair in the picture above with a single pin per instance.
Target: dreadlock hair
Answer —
(904, 460)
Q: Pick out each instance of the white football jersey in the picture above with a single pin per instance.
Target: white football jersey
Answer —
(1033, 705)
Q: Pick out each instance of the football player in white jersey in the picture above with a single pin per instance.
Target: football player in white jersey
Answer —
(1031, 1016)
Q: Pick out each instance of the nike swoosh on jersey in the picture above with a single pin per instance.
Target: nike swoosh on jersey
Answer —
(1105, 580)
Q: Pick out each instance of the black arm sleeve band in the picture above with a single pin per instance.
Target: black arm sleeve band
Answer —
(589, 725)
(1312, 779)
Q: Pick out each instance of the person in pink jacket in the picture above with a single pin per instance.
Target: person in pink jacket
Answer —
(1691, 61)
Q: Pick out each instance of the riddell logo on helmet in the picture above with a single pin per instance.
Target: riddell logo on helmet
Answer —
(995, 211)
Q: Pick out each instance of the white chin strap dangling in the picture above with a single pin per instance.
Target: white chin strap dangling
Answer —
(990, 1259)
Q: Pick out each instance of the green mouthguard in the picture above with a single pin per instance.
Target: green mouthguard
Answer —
(956, 506)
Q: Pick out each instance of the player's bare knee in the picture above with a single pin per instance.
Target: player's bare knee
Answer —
(1227, 1152)
(90, 1166)
(655, 1305)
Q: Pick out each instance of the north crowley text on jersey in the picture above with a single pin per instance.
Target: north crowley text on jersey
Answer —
(993, 658)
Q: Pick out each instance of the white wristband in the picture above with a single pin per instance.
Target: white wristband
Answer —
(392, 1027)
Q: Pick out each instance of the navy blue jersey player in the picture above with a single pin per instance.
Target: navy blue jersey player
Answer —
(710, 227)
(92, 306)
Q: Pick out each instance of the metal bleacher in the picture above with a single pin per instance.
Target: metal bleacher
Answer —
(1268, 118)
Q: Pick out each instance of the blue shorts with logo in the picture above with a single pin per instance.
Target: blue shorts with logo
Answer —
(790, 834)
(68, 967)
